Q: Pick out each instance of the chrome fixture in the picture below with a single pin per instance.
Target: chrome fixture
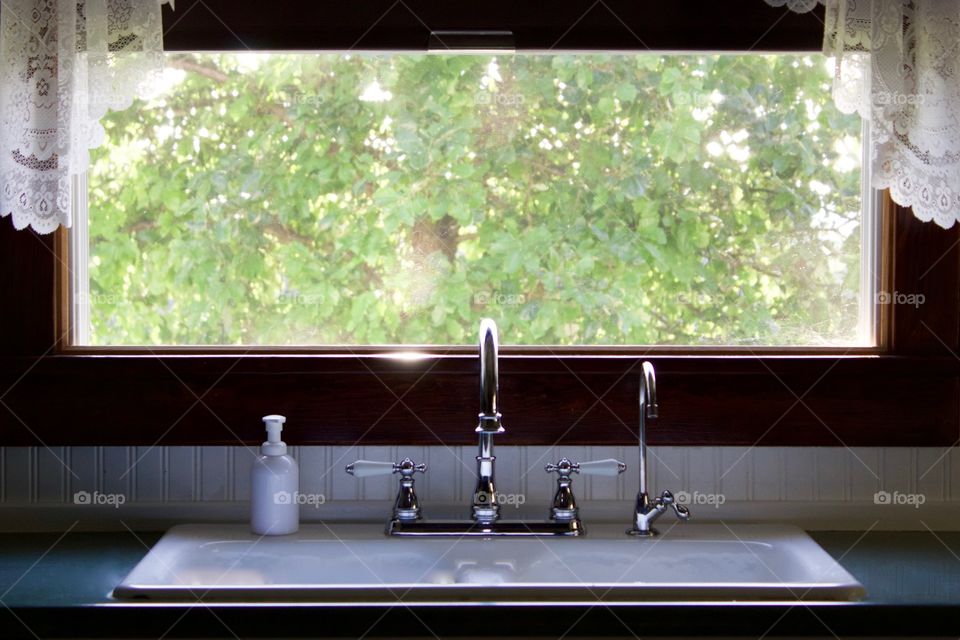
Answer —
(564, 507)
(647, 511)
(486, 508)
(485, 504)
(406, 507)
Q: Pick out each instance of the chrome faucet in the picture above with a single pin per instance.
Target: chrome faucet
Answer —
(647, 511)
(407, 519)
(485, 507)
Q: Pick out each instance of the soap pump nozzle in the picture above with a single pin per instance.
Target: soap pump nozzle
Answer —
(274, 446)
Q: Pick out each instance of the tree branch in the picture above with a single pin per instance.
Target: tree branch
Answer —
(208, 72)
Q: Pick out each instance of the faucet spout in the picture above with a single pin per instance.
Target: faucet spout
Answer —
(648, 409)
(485, 506)
(489, 378)
(648, 509)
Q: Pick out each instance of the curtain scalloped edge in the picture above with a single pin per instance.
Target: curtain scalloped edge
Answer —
(88, 56)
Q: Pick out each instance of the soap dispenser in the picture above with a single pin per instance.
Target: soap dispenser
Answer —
(274, 485)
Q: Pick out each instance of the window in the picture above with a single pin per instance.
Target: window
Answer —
(579, 199)
(900, 392)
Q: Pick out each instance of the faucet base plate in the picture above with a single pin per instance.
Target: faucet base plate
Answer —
(649, 533)
(470, 528)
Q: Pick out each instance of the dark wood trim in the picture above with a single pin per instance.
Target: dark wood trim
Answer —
(925, 286)
(61, 290)
(886, 249)
(575, 400)
(27, 271)
(733, 25)
(903, 393)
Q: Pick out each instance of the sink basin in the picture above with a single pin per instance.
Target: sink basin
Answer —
(357, 563)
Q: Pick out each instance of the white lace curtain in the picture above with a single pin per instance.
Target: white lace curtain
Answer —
(63, 63)
(897, 66)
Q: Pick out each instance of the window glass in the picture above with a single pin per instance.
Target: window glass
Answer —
(578, 199)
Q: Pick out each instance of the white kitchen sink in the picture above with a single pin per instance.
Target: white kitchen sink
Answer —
(357, 563)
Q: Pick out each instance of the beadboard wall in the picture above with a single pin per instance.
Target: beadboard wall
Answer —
(172, 475)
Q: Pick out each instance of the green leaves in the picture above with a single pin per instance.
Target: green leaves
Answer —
(578, 199)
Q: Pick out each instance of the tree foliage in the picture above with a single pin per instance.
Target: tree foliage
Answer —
(576, 199)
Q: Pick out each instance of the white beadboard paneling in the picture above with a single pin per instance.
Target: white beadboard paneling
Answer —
(241, 462)
(597, 487)
(508, 473)
(148, 476)
(734, 473)
(468, 471)
(831, 466)
(799, 464)
(767, 473)
(18, 474)
(378, 487)
(538, 486)
(898, 469)
(214, 474)
(51, 473)
(864, 465)
(629, 480)
(931, 468)
(314, 468)
(181, 474)
(343, 486)
(443, 477)
(667, 469)
(116, 473)
(85, 464)
(702, 471)
(221, 473)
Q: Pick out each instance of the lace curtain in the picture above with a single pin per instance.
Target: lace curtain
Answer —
(63, 63)
(897, 65)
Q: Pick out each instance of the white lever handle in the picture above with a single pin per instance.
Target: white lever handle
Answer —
(366, 468)
(609, 467)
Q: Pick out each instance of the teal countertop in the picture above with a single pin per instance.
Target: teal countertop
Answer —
(60, 585)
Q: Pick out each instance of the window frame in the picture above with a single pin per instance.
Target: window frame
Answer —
(903, 392)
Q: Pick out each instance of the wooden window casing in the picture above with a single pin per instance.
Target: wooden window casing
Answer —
(904, 392)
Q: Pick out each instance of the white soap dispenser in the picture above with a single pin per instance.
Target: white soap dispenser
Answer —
(274, 485)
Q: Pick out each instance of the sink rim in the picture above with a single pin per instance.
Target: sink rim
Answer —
(839, 588)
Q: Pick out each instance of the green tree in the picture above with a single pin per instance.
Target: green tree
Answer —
(577, 199)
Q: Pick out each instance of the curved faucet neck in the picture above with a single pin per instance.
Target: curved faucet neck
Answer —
(486, 505)
(648, 392)
(489, 378)
(648, 409)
